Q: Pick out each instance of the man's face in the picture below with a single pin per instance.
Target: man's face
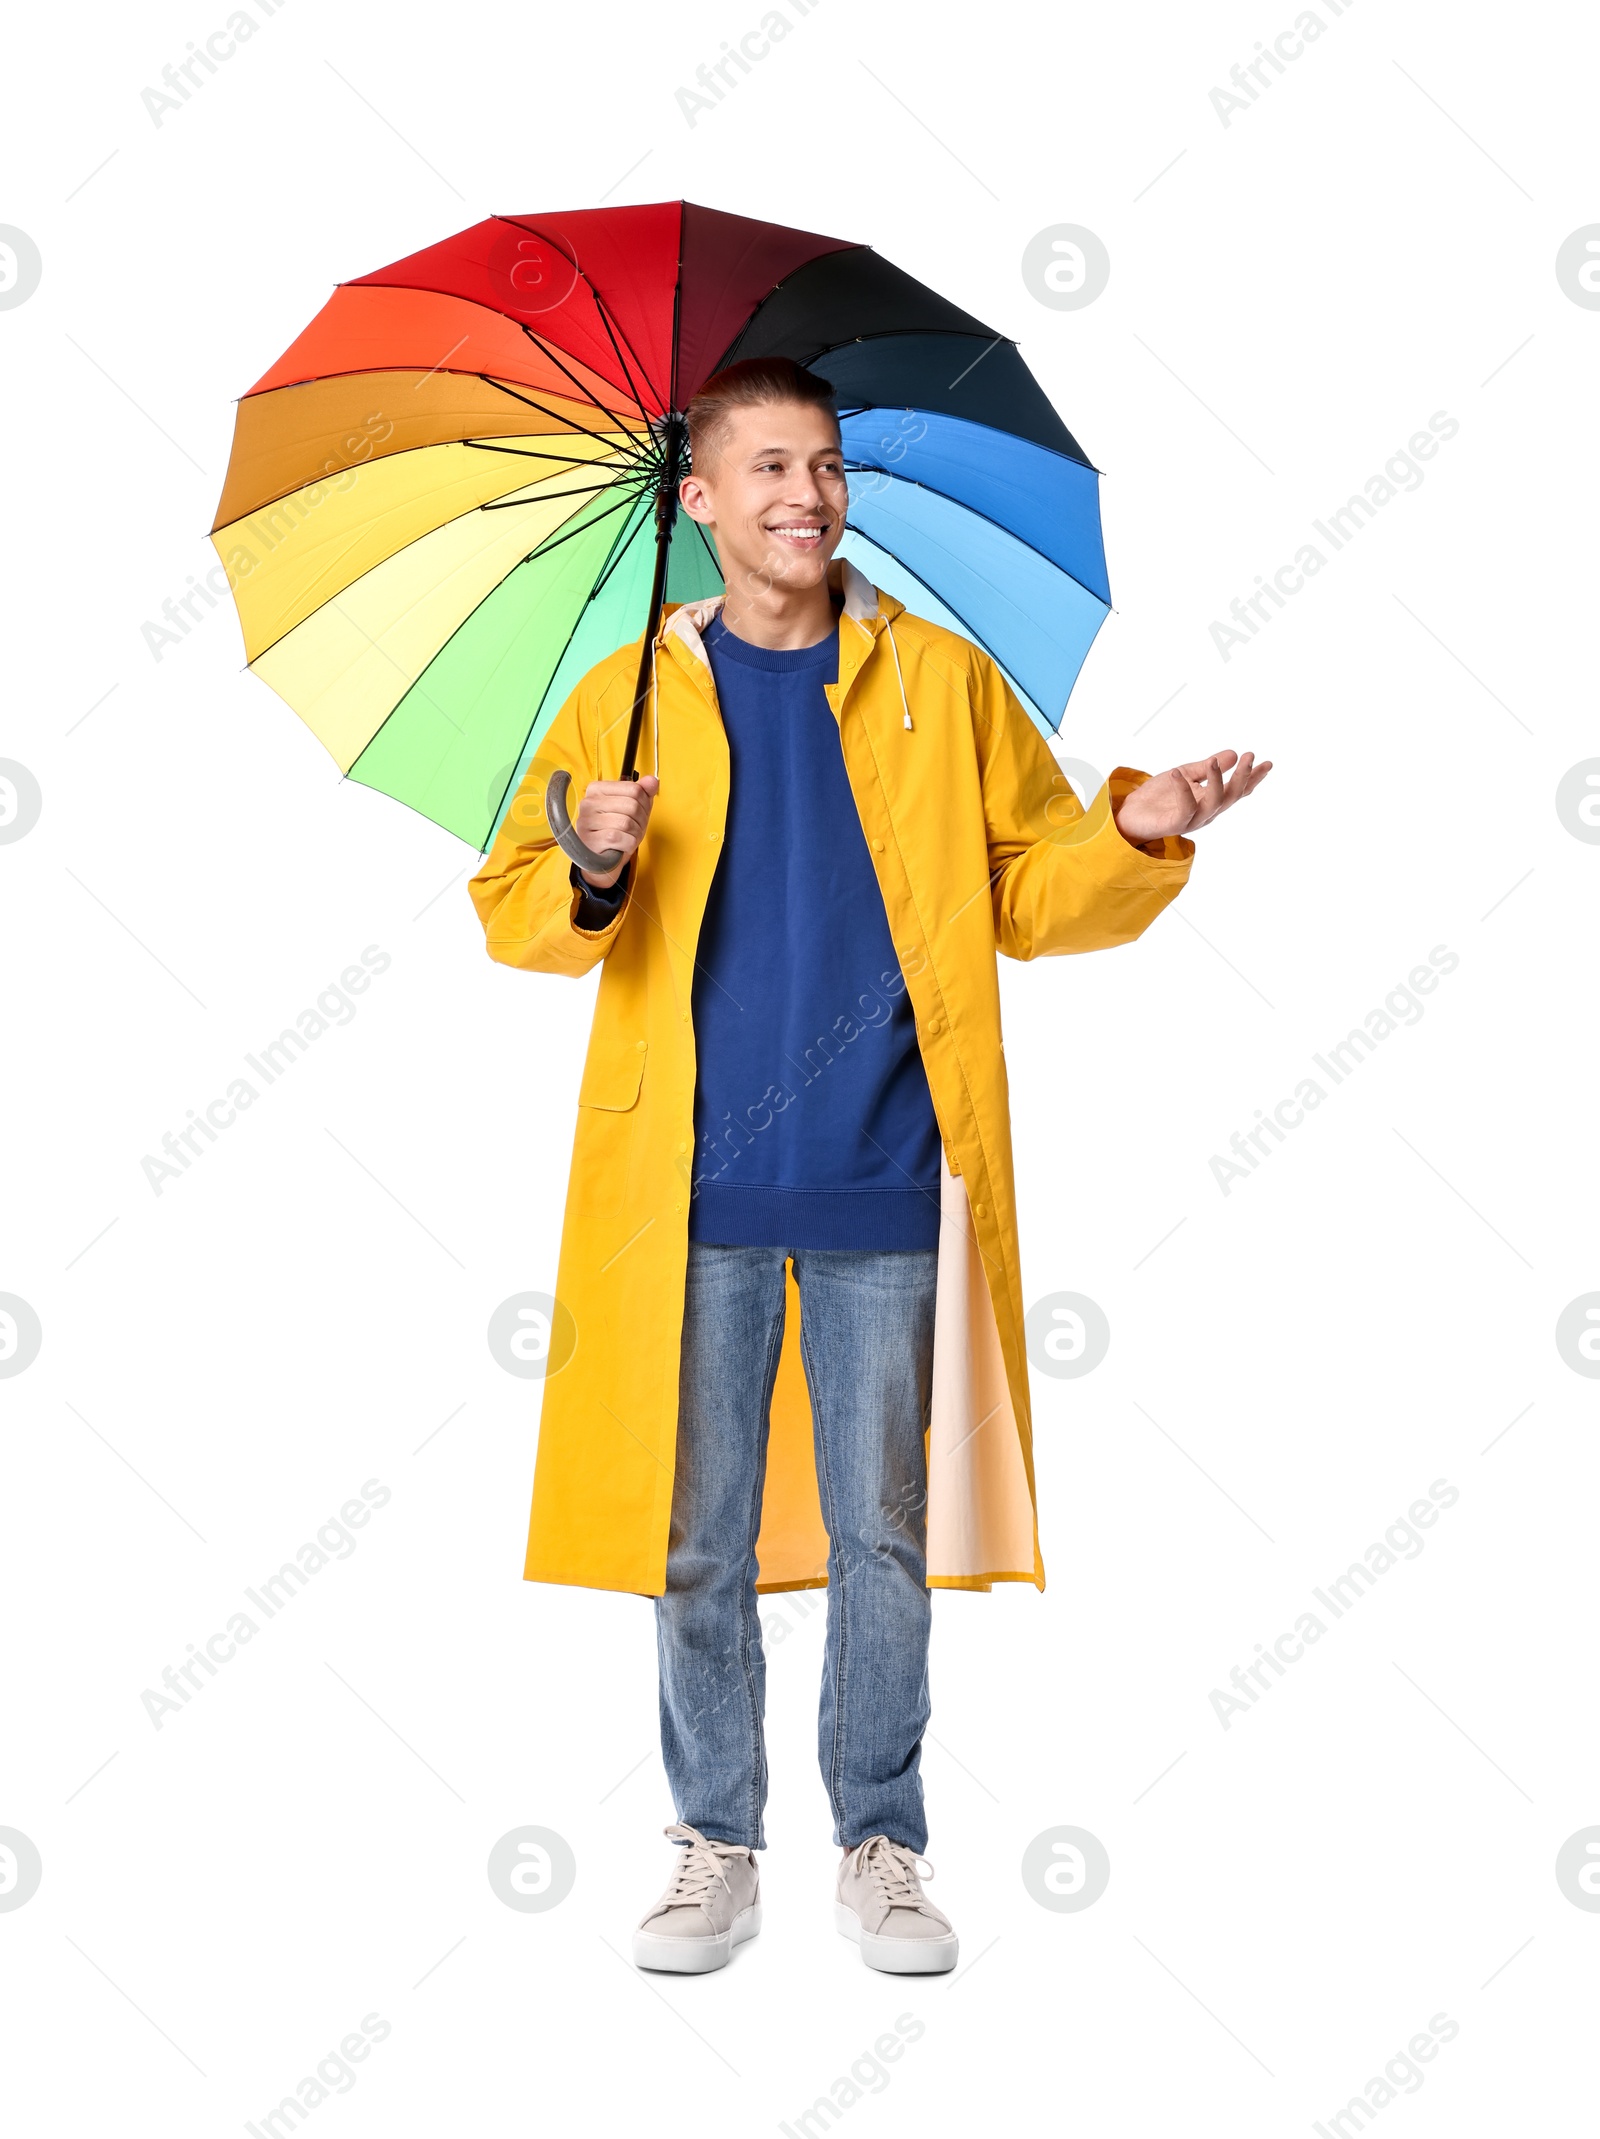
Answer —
(774, 497)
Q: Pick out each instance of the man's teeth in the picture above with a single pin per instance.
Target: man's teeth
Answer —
(808, 534)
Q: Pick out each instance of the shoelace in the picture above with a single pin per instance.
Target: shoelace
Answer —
(702, 1867)
(893, 1870)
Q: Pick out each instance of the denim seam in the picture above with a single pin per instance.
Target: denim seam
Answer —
(758, 1764)
(835, 1764)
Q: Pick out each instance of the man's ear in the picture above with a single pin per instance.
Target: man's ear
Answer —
(692, 496)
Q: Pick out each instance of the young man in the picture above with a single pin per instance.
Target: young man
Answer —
(795, 1093)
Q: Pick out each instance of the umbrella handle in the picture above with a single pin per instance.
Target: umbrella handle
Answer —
(555, 811)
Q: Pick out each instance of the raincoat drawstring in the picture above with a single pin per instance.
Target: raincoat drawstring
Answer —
(898, 677)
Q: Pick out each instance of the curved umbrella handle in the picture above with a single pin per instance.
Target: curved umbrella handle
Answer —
(555, 810)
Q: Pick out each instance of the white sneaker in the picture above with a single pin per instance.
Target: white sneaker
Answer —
(712, 1904)
(882, 1907)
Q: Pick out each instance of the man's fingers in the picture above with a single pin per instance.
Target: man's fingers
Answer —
(1213, 784)
(608, 832)
(615, 813)
(1208, 799)
(1238, 780)
(626, 798)
(625, 820)
(1200, 769)
(1247, 778)
(609, 821)
(1195, 777)
(1220, 780)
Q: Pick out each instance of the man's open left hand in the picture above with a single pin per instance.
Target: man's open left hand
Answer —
(1182, 800)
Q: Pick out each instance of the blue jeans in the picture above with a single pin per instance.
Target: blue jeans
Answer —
(866, 1339)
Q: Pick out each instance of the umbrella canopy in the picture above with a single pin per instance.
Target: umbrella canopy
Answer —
(455, 492)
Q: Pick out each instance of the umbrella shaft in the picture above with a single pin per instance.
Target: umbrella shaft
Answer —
(666, 514)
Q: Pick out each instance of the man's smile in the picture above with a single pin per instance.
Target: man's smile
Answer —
(799, 534)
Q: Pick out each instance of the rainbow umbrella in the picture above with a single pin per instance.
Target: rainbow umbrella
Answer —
(456, 491)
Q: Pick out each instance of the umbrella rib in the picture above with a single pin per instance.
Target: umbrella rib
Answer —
(677, 308)
(544, 548)
(416, 683)
(262, 651)
(517, 224)
(606, 570)
(605, 321)
(618, 457)
(527, 402)
(944, 602)
(626, 452)
(889, 334)
(706, 546)
(988, 519)
(617, 556)
(426, 670)
(566, 460)
(584, 490)
(540, 343)
(1079, 458)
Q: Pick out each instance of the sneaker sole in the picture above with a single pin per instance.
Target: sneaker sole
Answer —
(695, 1956)
(897, 1956)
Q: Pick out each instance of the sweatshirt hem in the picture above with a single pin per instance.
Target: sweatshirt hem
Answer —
(760, 1217)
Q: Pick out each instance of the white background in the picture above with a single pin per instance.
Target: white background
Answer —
(1292, 1898)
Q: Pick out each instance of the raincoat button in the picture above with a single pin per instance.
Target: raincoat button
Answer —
(640, 1045)
(682, 1148)
(877, 846)
(980, 1210)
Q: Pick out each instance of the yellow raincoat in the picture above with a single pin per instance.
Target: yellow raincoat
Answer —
(978, 842)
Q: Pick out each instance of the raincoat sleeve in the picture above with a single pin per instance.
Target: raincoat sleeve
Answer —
(524, 894)
(1061, 878)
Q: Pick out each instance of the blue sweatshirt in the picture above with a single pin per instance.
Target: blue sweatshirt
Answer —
(814, 1127)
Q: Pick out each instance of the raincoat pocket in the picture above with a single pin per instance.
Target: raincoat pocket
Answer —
(612, 1080)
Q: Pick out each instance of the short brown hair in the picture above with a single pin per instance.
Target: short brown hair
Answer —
(756, 382)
